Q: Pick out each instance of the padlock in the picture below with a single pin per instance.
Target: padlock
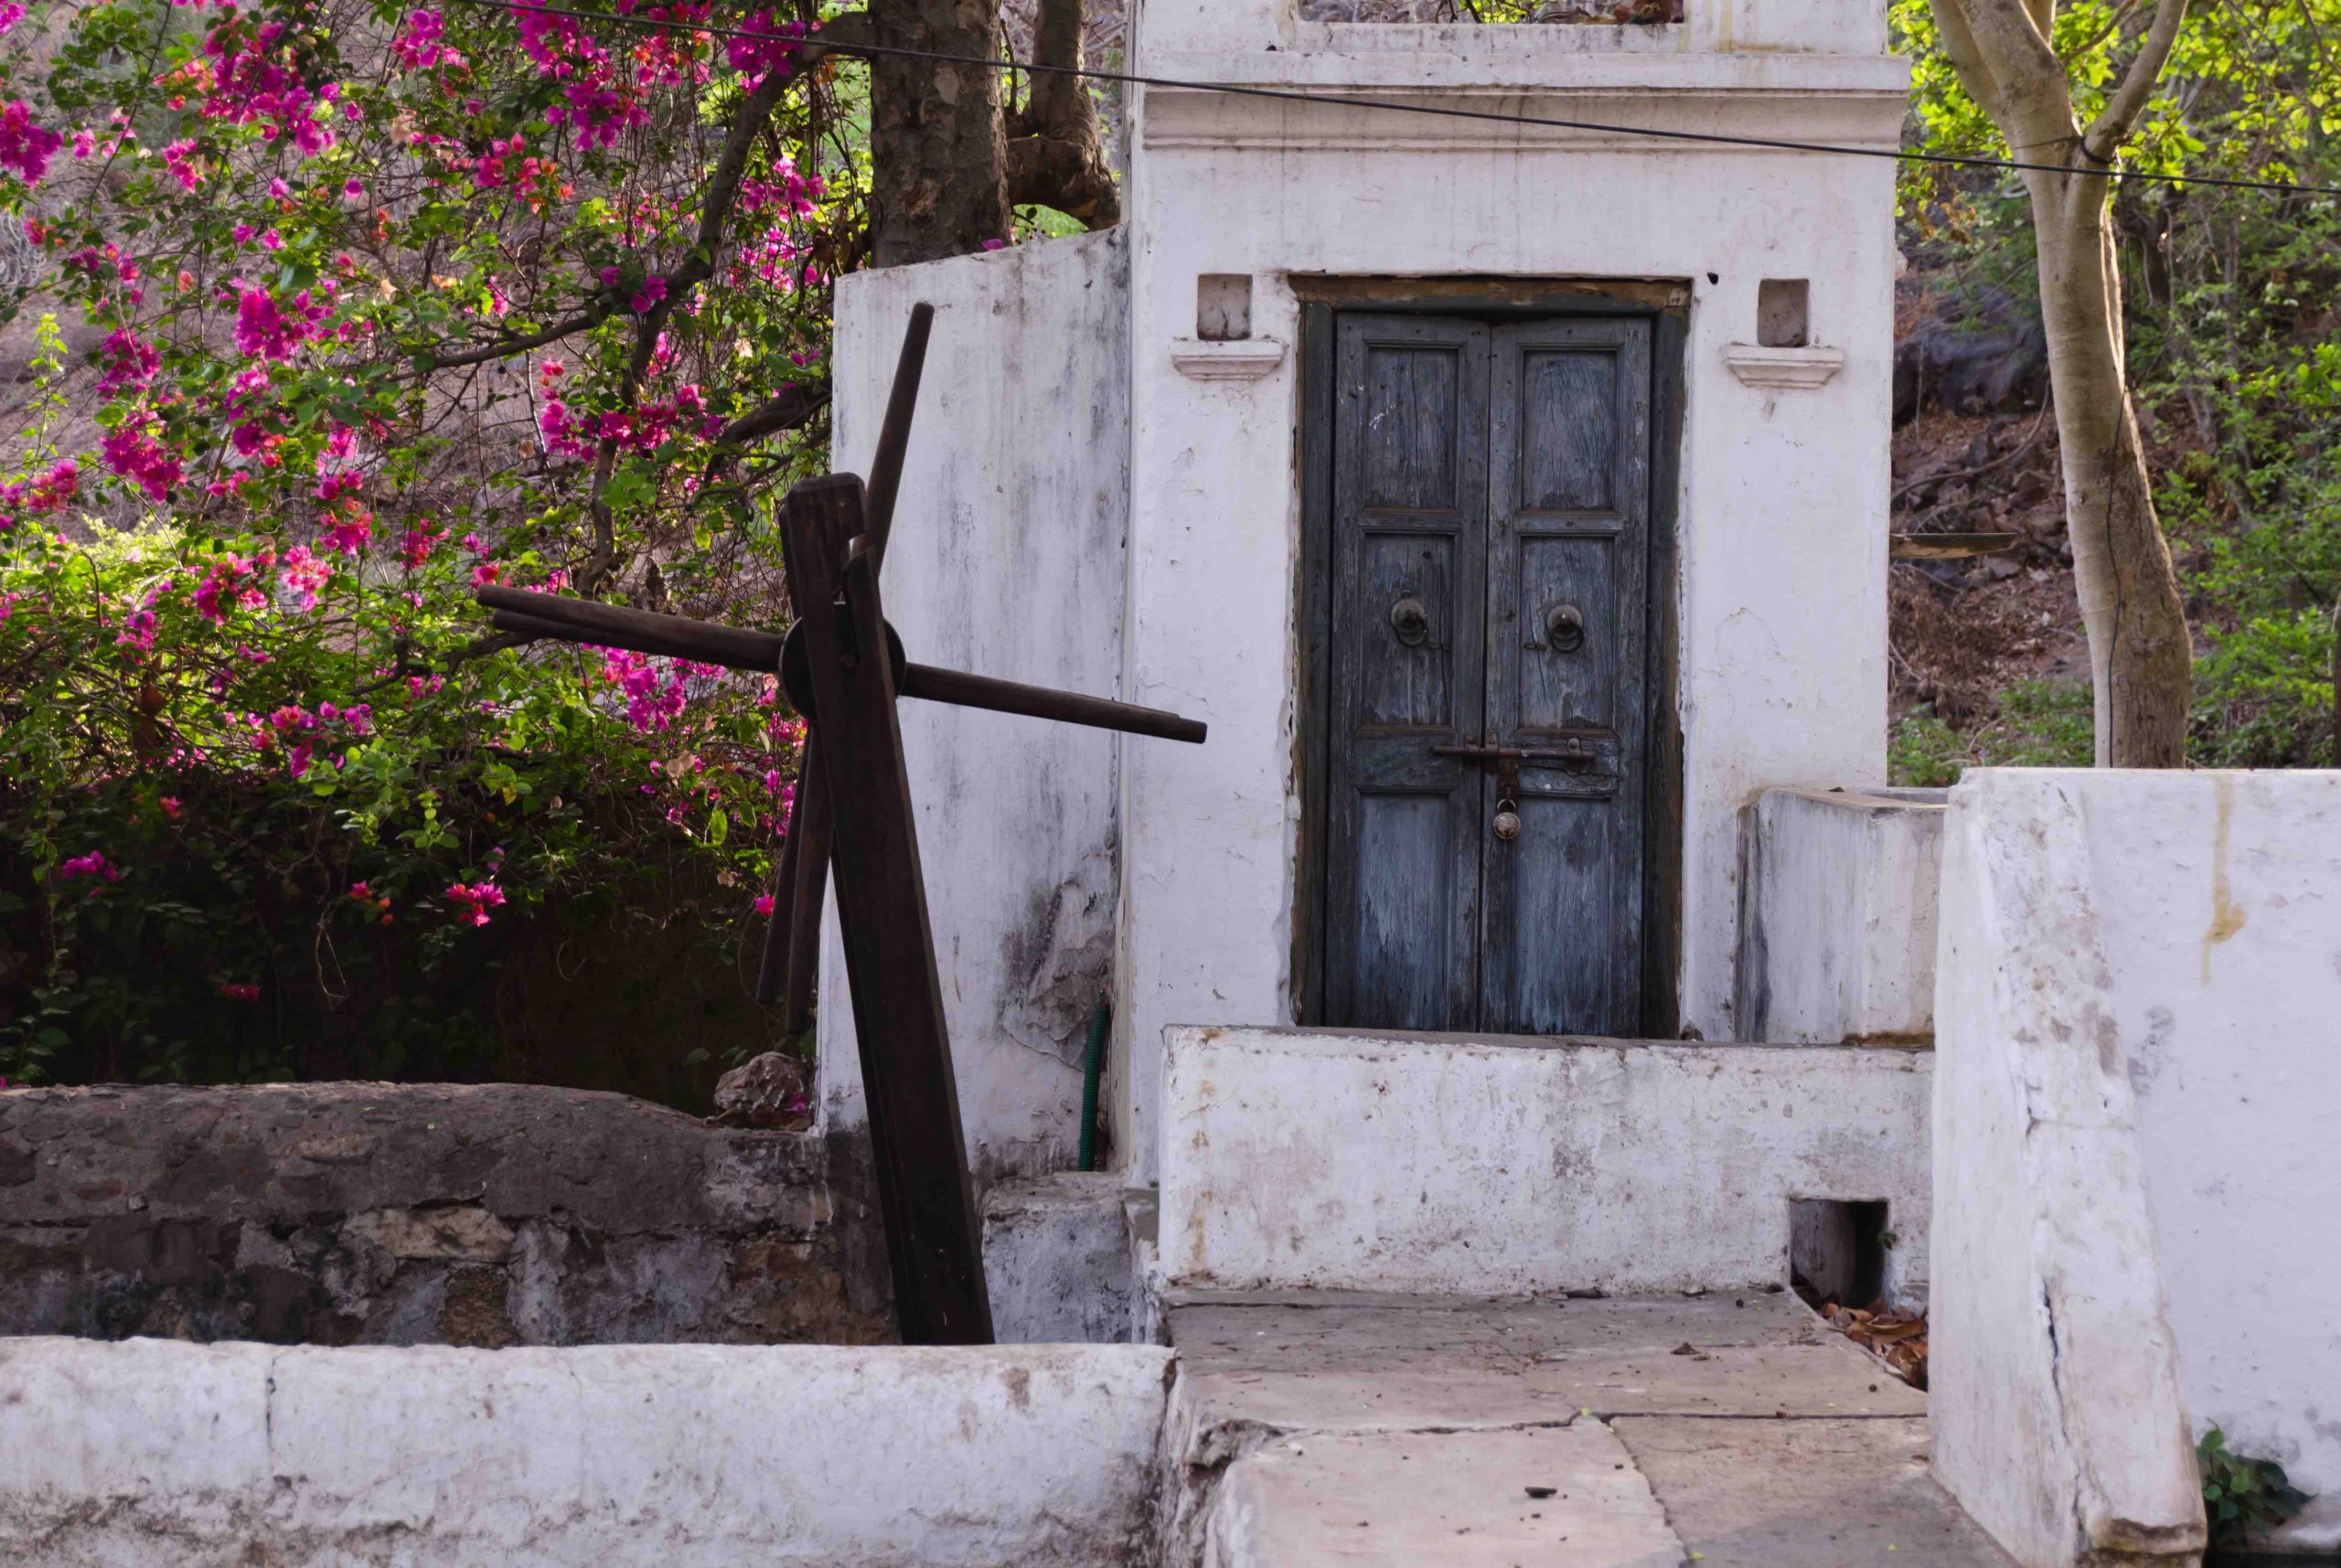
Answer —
(1507, 821)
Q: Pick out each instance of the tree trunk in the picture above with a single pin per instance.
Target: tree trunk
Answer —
(2141, 661)
(938, 179)
(1056, 157)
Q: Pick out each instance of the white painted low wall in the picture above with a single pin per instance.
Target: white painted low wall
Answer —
(1438, 1163)
(2138, 1079)
(151, 1451)
(1837, 897)
(1005, 559)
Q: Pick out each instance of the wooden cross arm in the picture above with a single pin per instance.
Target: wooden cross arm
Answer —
(645, 632)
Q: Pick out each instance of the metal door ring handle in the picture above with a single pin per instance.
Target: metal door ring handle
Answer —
(1410, 621)
(1565, 628)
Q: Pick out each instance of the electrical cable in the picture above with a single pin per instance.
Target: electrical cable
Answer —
(1953, 160)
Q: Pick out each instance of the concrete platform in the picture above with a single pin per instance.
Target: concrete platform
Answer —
(1378, 1429)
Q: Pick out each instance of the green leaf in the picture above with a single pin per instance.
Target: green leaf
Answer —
(719, 826)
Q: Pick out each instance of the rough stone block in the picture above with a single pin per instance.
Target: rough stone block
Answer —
(1454, 1498)
(382, 1213)
(1057, 1259)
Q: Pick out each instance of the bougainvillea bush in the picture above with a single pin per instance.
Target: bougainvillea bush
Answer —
(335, 312)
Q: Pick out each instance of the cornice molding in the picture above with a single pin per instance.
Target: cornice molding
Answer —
(1848, 117)
(1784, 369)
(1236, 359)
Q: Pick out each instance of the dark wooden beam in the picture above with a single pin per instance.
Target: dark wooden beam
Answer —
(613, 626)
(895, 434)
(923, 1193)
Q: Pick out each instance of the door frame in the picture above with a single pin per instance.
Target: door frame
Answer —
(1666, 305)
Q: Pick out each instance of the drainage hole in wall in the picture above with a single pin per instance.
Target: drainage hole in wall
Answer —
(1837, 1253)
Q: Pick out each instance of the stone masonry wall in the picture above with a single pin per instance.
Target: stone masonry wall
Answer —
(381, 1213)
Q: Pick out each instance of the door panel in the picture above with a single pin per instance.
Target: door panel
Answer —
(1402, 685)
(1569, 554)
(1490, 561)
(1568, 586)
(1408, 628)
(1568, 435)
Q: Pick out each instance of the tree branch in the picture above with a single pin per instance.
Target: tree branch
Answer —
(2103, 137)
(1056, 157)
(785, 410)
(1966, 59)
(505, 348)
(478, 648)
(715, 211)
(2006, 62)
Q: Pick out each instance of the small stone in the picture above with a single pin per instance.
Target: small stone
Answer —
(767, 1092)
(1540, 1492)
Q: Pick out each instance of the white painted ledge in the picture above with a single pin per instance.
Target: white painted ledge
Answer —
(1238, 359)
(1784, 369)
(598, 1457)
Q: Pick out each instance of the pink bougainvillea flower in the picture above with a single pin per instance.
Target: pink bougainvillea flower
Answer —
(93, 864)
(179, 157)
(170, 805)
(415, 545)
(24, 145)
(478, 897)
(238, 991)
(135, 450)
(137, 631)
(304, 575)
(764, 904)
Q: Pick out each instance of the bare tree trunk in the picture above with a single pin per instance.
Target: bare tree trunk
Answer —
(2140, 654)
(1056, 157)
(2141, 661)
(937, 146)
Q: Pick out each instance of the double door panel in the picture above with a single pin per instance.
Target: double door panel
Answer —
(1491, 594)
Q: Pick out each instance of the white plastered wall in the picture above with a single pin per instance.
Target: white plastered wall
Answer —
(1781, 506)
(2136, 1091)
(1005, 559)
(1837, 900)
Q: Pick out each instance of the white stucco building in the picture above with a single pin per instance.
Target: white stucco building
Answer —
(1510, 499)
(1370, 432)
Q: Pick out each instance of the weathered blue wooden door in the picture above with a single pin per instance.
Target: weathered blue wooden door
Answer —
(1488, 646)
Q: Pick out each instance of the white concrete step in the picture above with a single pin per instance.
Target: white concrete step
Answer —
(1341, 1429)
(1445, 1165)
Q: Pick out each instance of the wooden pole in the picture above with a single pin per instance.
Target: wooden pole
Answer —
(894, 433)
(613, 625)
(928, 1204)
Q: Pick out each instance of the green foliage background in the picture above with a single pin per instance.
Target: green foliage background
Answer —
(2233, 308)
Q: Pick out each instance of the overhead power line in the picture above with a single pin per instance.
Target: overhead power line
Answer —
(1289, 95)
